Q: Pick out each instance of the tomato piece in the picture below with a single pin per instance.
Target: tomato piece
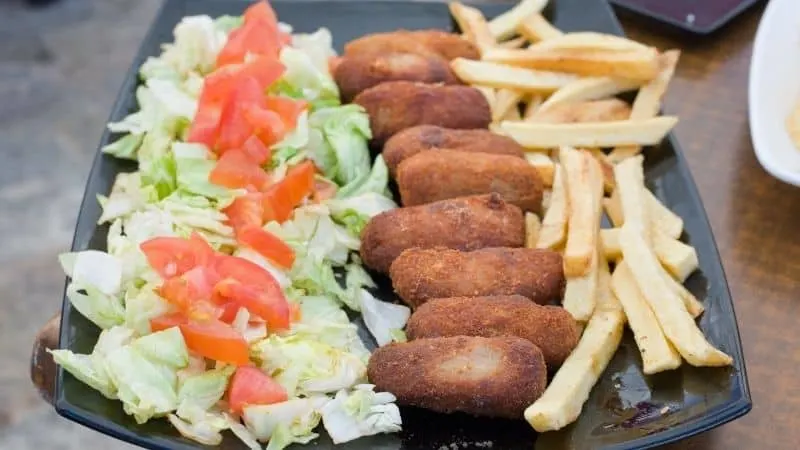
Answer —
(247, 273)
(234, 129)
(258, 36)
(260, 10)
(174, 256)
(217, 86)
(284, 38)
(295, 313)
(215, 340)
(167, 321)
(229, 310)
(235, 169)
(288, 193)
(251, 386)
(270, 306)
(255, 149)
(289, 109)
(267, 125)
(324, 190)
(194, 286)
(267, 244)
(245, 210)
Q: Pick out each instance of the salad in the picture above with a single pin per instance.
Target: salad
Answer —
(231, 256)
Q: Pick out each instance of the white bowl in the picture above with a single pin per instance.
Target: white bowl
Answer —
(774, 89)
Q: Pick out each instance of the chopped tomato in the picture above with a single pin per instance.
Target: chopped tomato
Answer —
(234, 129)
(255, 149)
(285, 195)
(324, 190)
(247, 273)
(251, 386)
(270, 306)
(236, 170)
(194, 286)
(229, 310)
(267, 244)
(167, 321)
(257, 36)
(245, 210)
(289, 109)
(219, 86)
(215, 340)
(260, 10)
(266, 124)
(174, 256)
(284, 38)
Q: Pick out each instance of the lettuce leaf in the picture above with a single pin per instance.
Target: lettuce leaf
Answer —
(362, 412)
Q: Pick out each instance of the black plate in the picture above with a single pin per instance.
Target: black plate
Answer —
(696, 17)
(626, 408)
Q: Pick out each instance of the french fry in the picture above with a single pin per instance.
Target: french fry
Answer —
(609, 110)
(473, 26)
(609, 183)
(503, 76)
(513, 115)
(693, 306)
(532, 227)
(679, 259)
(506, 100)
(592, 134)
(648, 100)
(580, 294)
(663, 218)
(793, 125)
(676, 322)
(536, 28)
(584, 188)
(589, 40)
(505, 25)
(517, 42)
(564, 397)
(613, 208)
(639, 65)
(657, 353)
(495, 128)
(544, 165)
(586, 89)
(534, 102)
(554, 225)
(629, 175)
(547, 196)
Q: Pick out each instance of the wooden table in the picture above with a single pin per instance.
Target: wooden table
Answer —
(754, 217)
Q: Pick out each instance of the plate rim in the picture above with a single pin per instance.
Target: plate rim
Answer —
(724, 413)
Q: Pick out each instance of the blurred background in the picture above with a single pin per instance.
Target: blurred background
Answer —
(61, 65)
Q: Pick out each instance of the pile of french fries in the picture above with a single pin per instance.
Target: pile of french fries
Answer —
(555, 94)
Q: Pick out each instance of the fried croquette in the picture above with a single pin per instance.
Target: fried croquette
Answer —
(447, 45)
(356, 73)
(432, 176)
(411, 141)
(394, 106)
(551, 328)
(467, 223)
(495, 377)
(420, 274)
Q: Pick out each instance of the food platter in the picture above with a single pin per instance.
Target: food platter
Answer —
(625, 410)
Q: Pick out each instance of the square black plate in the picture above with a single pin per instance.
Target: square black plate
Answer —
(626, 409)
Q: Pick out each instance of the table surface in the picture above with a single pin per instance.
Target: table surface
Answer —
(753, 219)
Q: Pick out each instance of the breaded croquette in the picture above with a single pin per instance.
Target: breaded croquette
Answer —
(447, 45)
(466, 223)
(359, 72)
(420, 274)
(432, 176)
(394, 106)
(411, 141)
(551, 328)
(495, 377)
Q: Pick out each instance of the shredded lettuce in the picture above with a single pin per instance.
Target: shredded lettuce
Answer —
(375, 181)
(382, 318)
(359, 413)
(303, 76)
